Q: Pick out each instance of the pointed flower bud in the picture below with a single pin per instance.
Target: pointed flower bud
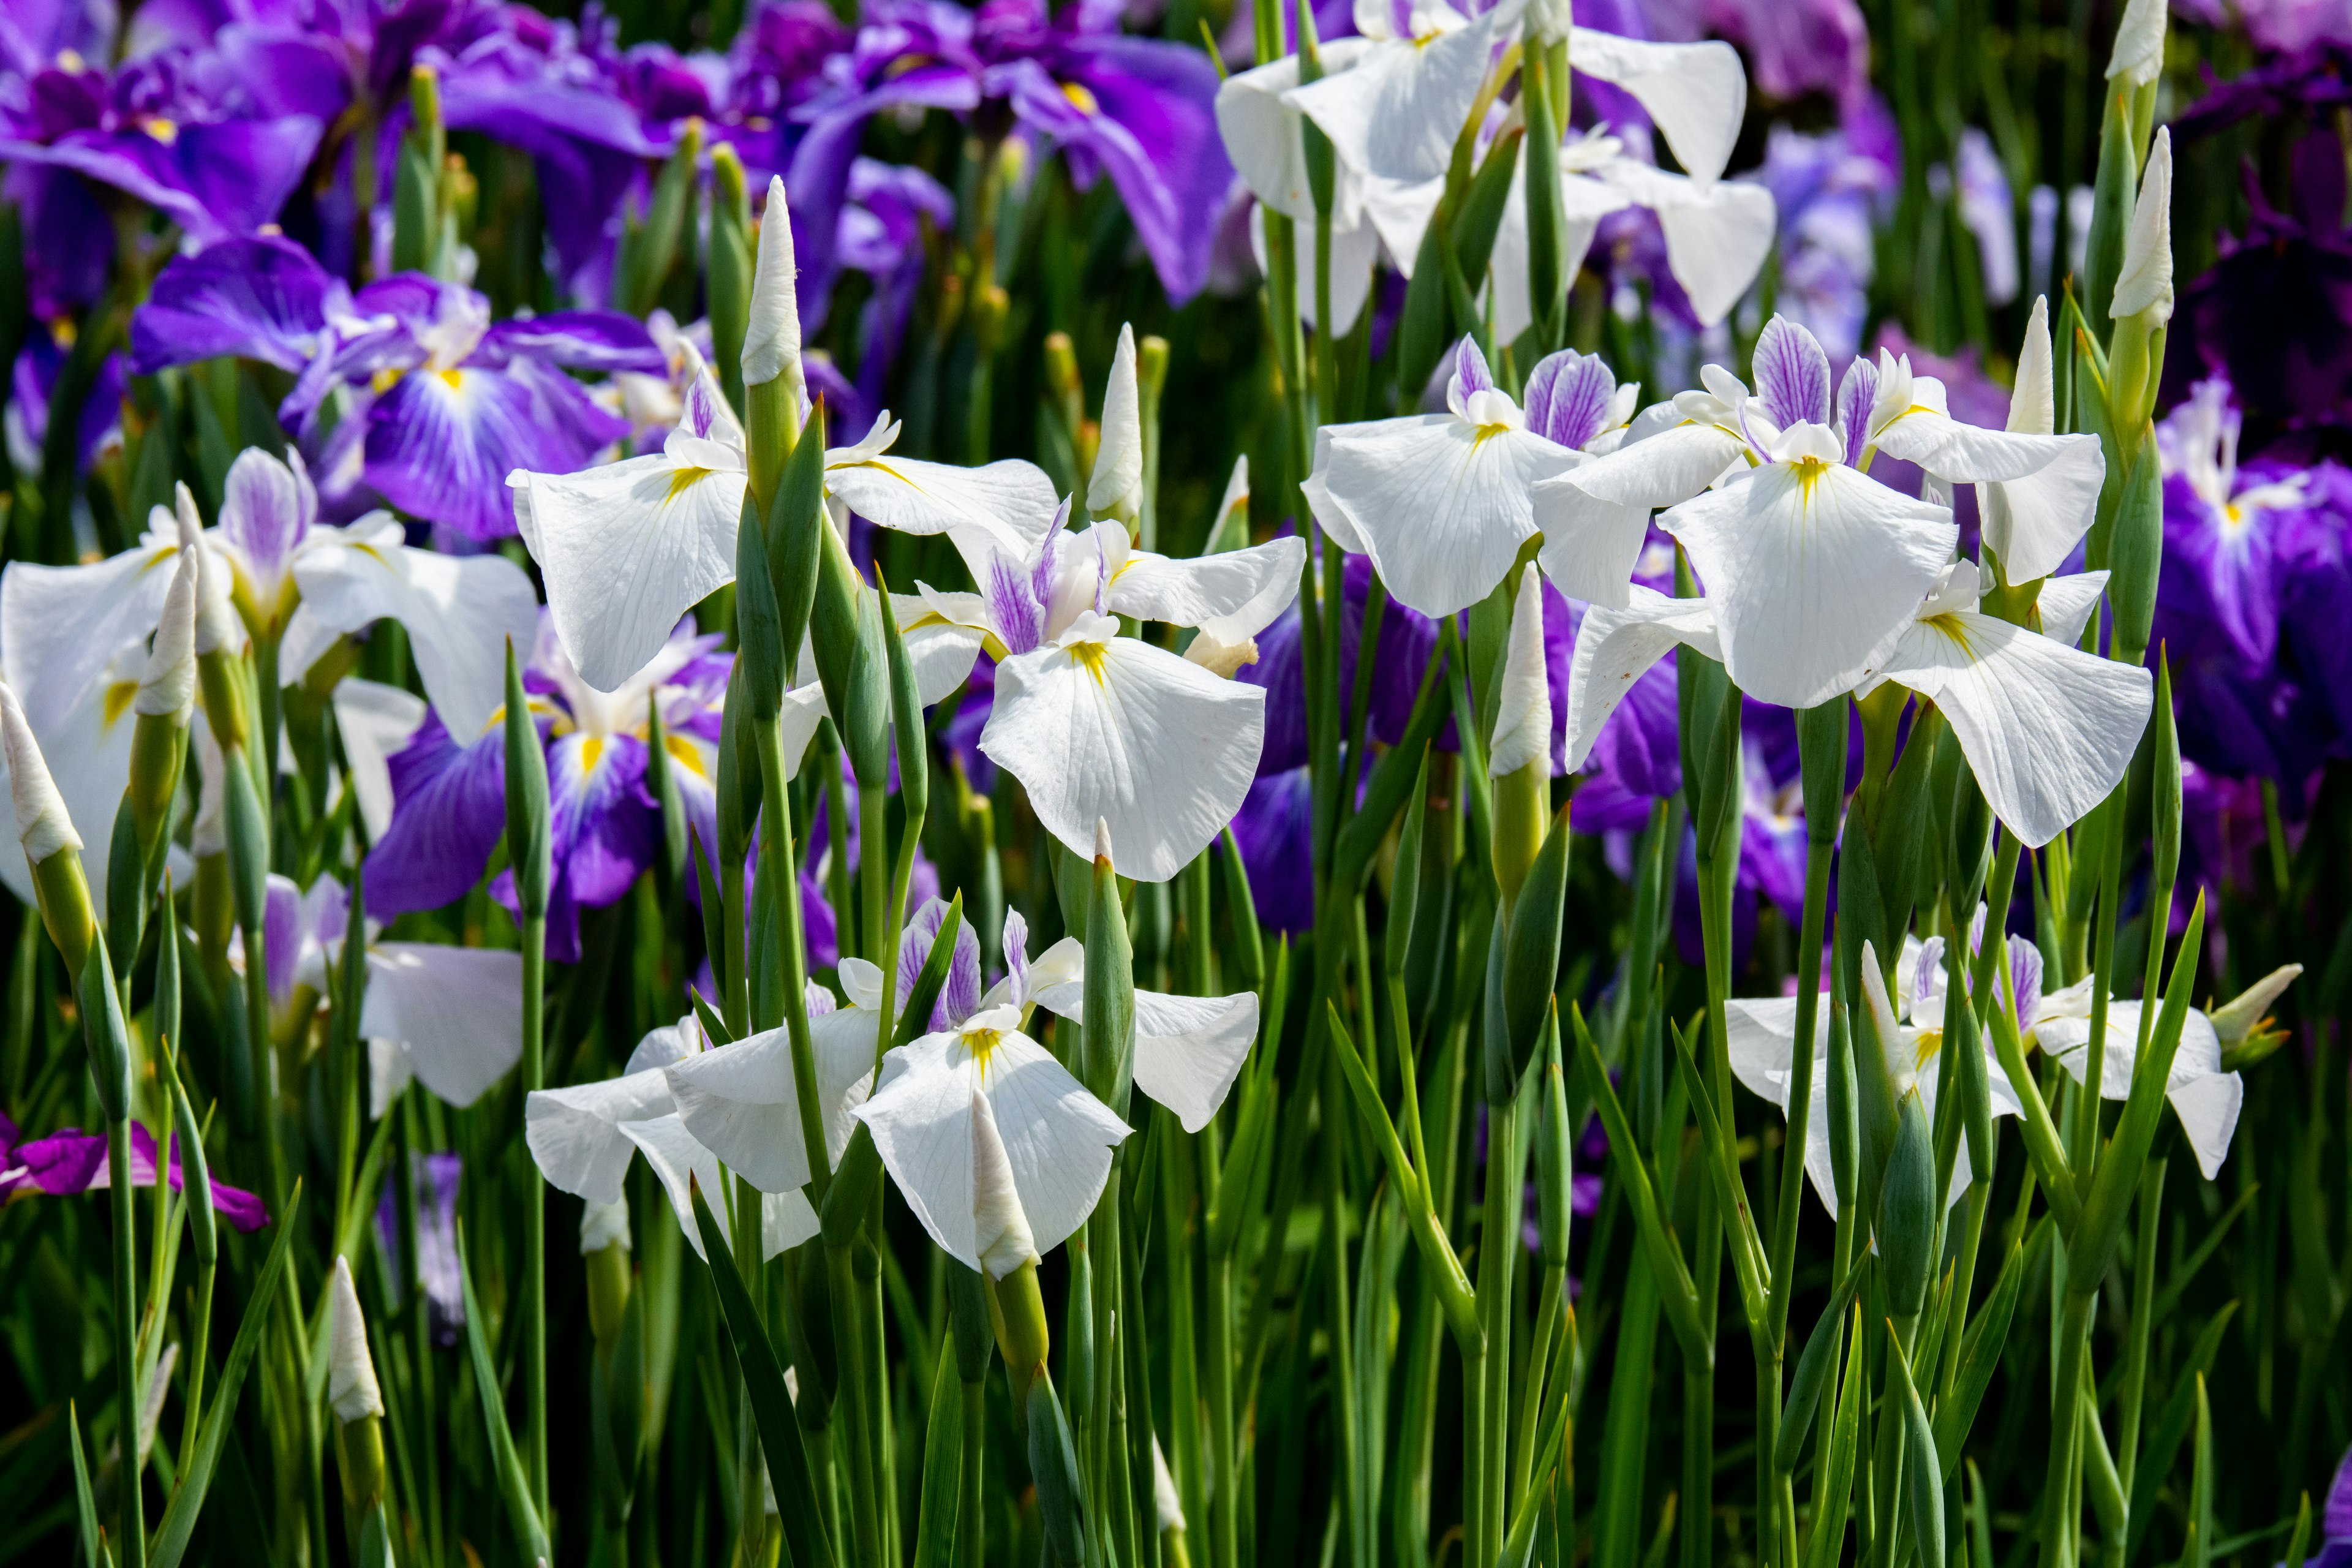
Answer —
(1116, 487)
(772, 338)
(2236, 1020)
(2033, 400)
(2145, 288)
(168, 689)
(2138, 57)
(1165, 1502)
(350, 1375)
(1102, 841)
(999, 1227)
(217, 628)
(1523, 716)
(42, 820)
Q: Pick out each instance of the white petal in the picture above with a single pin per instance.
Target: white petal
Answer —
(457, 1009)
(575, 1135)
(459, 612)
(1000, 1227)
(61, 626)
(1246, 589)
(1760, 1034)
(737, 1101)
(1354, 251)
(787, 1219)
(1057, 1136)
(1330, 516)
(2146, 285)
(389, 1076)
(1189, 1050)
(2236, 1020)
(1117, 483)
(2066, 603)
(843, 1042)
(1441, 505)
(628, 549)
(352, 1390)
(1814, 570)
(2208, 1106)
(87, 757)
(2033, 399)
(2206, 1099)
(1132, 734)
(1717, 232)
(1261, 133)
(376, 720)
(1523, 708)
(772, 338)
(1398, 111)
(2138, 58)
(1697, 93)
(1614, 648)
(2034, 523)
(942, 650)
(675, 1156)
(604, 1225)
(2047, 730)
(1399, 212)
(921, 1118)
(1951, 449)
(1004, 505)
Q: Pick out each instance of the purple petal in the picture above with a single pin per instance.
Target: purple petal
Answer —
(819, 928)
(1041, 577)
(284, 70)
(262, 299)
(959, 994)
(1470, 371)
(2025, 969)
(449, 809)
(2337, 1519)
(1569, 395)
(64, 1162)
(215, 181)
(281, 935)
(1274, 832)
(266, 507)
(1793, 375)
(577, 339)
(440, 443)
(1855, 394)
(600, 818)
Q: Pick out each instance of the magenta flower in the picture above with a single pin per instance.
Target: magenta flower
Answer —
(71, 1161)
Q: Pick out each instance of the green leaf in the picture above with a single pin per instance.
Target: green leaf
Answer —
(1834, 1489)
(2172, 1430)
(2112, 199)
(1814, 1370)
(1532, 967)
(529, 848)
(935, 1528)
(179, 1522)
(1922, 1471)
(772, 1403)
(906, 719)
(1053, 1462)
(1907, 1212)
(513, 1482)
(796, 531)
(761, 651)
(1482, 211)
(1981, 1350)
(85, 1504)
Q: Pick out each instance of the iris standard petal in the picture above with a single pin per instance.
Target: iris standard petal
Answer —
(1252, 585)
(2047, 729)
(1814, 570)
(1111, 728)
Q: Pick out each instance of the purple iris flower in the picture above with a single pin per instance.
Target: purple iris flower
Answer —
(1797, 46)
(1832, 191)
(1274, 830)
(28, 417)
(435, 1183)
(2335, 1520)
(881, 235)
(1407, 638)
(72, 1161)
(604, 824)
(1137, 109)
(145, 133)
(452, 401)
(2272, 313)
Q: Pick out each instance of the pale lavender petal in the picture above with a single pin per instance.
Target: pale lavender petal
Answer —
(281, 928)
(1855, 394)
(1012, 604)
(266, 507)
(1793, 375)
(959, 994)
(1041, 577)
(1569, 395)
(1470, 371)
(2025, 969)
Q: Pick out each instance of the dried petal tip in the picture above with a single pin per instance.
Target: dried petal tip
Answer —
(772, 338)
(1102, 841)
(1001, 1234)
(168, 687)
(351, 1375)
(602, 1225)
(42, 820)
(2146, 286)
(1523, 714)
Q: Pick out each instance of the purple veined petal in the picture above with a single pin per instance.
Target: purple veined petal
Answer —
(440, 443)
(1855, 394)
(266, 507)
(1793, 375)
(1012, 604)
(262, 299)
(819, 927)
(68, 239)
(2025, 969)
(1041, 577)
(600, 818)
(281, 926)
(1470, 373)
(217, 181)
(449, 806)
(433, 1182)
(577, 339)
(1567, 396)
(959, 994)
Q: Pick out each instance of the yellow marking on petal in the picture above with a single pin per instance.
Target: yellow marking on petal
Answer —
(456, 378)
(682, 481)
(1929, 1042)
(928, 619)
(164, 131)
(1809, 474)
(1090, 656)
(903, 64)
(591, 748)
(1081, 98)
(63, 331)
(685, 753)
(383, 381)
(1949, 624)
(117, 702)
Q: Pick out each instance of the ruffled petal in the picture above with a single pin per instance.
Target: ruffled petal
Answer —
(1246, 588)
(457, 1010)
(440, 443)
(1615, 648)
(1814, 570)
(1697, 93)
(449, 810)
(738, 1101)
(2047, 729)
(1116, 730)
(575, 1133)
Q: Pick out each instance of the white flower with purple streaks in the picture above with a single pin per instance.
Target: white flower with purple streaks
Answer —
(1811, 567)
(2047, 729)
(628, 548)
(1101, 726)
(1441, 502)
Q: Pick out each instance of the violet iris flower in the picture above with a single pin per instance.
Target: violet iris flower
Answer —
(1832, 190)
(449, 793)
(1137, 109)
(881, 235)
(435, 1183)
(33, 377)
(446, 402)
(72, 1161)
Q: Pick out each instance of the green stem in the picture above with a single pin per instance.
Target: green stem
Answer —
(534, 1214)
(2062, 1514)
(133, 1546)
(850, 1342)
